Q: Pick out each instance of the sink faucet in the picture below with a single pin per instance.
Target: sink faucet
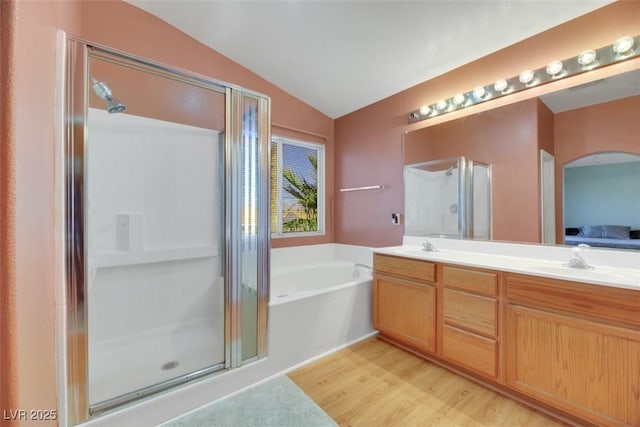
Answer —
(578, 260)
(428, 247)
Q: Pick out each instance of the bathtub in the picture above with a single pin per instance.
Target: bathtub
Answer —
(320, 301)
(314, 279)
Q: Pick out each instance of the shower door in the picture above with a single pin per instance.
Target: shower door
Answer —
(155, 230)
(167, 226)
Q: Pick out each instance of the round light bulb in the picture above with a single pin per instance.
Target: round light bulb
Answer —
(459, 99)
(480, 92)
(623, 45)
(587, 57)
(554, 68)
(425, 110)
(441, 105)
(501, 85)
(526, 77)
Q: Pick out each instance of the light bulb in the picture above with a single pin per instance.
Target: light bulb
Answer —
(441, 105)
(555, 68)
(501, 85)
(459, 99)
(623, 45)
(587, 57)
(480, 92)
(526, 77)
(425, 110)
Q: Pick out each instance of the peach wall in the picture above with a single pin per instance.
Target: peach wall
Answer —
(611, 126)
(8, 395)
(29, 130)
(506, 138)
(369, 141)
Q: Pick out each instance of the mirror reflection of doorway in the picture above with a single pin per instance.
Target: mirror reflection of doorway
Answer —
(602, 200)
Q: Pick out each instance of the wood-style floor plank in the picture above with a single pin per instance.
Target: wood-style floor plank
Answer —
(373, 383)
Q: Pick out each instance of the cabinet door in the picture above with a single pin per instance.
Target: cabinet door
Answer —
(405, 311)
(584, 367)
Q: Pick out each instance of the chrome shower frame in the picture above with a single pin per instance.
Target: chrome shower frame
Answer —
(73, 337)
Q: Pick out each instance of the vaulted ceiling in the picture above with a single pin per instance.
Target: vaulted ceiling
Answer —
(341, 55)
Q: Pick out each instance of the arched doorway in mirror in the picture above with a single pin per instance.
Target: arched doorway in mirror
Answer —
(601, 200)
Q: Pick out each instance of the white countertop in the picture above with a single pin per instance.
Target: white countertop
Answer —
(600, 275)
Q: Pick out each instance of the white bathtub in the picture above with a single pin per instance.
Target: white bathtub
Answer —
(316, 278)
(320, 301)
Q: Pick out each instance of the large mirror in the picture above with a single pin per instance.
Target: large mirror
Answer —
(574, 153)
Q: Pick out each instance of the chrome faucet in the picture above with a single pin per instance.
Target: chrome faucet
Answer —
(356, 273)
(578, 260)
(428, 247)
(368, 267)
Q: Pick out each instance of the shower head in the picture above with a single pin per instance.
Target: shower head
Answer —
(103, 91)
(115, 106)
(449, 171)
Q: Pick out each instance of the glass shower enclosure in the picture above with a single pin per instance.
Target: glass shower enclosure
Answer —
(448, 198)
(167, 227)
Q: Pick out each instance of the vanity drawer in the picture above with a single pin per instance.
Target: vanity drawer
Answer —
(479, 282)
(405, 267)
(473, 312)
(470, 350)
(611, 304)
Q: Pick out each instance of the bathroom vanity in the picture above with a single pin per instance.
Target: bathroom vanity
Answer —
(566, 345)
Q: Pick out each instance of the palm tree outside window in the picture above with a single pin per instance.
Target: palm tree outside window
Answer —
(297, 187)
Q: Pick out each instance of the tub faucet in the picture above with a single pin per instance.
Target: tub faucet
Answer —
(428, 247)
(578, 260)
(356, 273)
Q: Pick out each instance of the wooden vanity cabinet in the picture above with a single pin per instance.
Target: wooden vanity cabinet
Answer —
(404, 301)
(576, 347)
(469, 335)
(560, 345)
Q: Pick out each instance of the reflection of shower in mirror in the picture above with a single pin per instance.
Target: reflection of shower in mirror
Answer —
(103, 91)
(449, 197)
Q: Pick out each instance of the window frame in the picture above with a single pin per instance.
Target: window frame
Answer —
(320, 183)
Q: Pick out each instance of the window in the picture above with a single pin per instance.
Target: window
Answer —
(297, 187)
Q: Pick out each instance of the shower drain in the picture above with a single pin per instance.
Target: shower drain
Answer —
(170, 365)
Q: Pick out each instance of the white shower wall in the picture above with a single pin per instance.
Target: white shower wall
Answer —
(431, 200)
(155, 287)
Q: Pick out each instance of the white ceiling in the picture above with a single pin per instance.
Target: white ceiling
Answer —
(342, 55)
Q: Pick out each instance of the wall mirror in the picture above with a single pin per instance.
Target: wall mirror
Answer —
(592, 119)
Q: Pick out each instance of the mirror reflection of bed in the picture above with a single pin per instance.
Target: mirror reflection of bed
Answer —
(602, 201)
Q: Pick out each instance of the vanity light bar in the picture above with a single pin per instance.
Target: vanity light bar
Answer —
(622, 49)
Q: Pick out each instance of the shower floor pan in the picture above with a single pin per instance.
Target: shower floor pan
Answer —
(122, 366)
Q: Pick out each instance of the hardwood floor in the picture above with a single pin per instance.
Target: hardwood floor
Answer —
(373, 383)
